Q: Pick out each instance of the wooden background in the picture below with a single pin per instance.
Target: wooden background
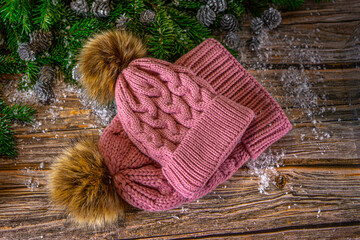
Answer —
(321, 195)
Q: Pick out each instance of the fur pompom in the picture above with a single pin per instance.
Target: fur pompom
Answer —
(81, 184)
(102, 59)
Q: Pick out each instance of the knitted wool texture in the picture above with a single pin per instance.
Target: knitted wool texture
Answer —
(176, 118)
(140, 180)
(211, 61)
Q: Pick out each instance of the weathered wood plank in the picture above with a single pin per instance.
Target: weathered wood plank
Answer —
(321, 161)
(234, 207)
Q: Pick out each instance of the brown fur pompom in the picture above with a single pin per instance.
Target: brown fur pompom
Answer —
(80, 183)
(101, 60)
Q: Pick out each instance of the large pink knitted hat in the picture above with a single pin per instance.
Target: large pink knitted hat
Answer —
(177, 119)
(140, 181)
(181, 129)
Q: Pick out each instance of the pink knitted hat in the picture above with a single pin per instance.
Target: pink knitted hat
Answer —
(177, 119)
(181, 129)
(142, 182)
(211, 61)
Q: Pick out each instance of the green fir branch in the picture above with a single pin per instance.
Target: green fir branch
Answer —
(17, 112)
(7, 138)
(47, 14)
(288, 4)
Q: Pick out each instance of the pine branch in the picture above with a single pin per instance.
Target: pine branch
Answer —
(46, 14)
(288, 4)
(237, 8)
(7, 139)
(17, 12)
(10, 64)
(17, 112)
(161, 42)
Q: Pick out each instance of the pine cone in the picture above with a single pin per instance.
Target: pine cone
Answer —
(147, 16)
(40, 40)
(43, 87)
(217, 5)
(26, 52)
(47, 74)
(229, 22)
(205, 15)
(256, 25)
(253, 44)
(271, 18)
(81, 7)
(232, 40)
(101, 8)
(75, 73)
(2, 40)
(122, 22)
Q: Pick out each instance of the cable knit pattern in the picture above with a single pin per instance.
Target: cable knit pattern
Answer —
(140, 181)
(175, 117)
(143, 182)
(211, 61)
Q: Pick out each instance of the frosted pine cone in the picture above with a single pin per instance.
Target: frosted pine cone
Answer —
(26, 52)
(40, 40)
(256, 25)
(122, 22)
(43, 87)
(147, 16)
(232, 40)
(75, 73)
(2, 39)
(47, 74)
(205, 16)
(229, 22)
(253, 44)
(101, 8)
(81, 7)
(271, 18)
(217, 5)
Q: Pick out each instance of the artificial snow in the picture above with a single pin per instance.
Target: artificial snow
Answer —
(298, 81)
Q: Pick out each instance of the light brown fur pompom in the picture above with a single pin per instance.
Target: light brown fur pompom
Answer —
(103, 57)
(80, 183)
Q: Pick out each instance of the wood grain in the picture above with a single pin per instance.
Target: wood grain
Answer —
(320, 198)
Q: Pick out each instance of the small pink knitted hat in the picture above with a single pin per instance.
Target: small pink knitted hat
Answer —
(140, 181)
(177, 119)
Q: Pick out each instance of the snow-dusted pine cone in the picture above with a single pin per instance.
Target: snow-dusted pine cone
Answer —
(47, 74)
(232, 40)
(147, 16)
(81, 7)
(26, 52)
(122, 22)
(217, 5)
(253, 43)
(43, 87)
(271, 18)
(2, 39)
(229, 22)
(205, 15)
(75, 73)
(256, 25)
(40, 40)
(101, 8)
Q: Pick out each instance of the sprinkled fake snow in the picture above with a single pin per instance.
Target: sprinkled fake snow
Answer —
(304, 87)
(104, 114)
(318, 213)
(264, 167)
(31, 177)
